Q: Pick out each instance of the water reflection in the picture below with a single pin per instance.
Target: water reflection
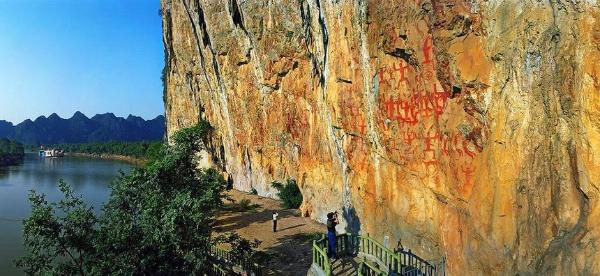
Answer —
(88, 177)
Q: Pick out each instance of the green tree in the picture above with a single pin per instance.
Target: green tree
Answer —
(157, 220)
(59, 244)
(290, 194)
(145, 150)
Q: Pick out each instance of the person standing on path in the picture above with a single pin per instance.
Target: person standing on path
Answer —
(332, 221)
(275, 215)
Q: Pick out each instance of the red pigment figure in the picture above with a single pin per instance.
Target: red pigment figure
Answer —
(425, 106)
(389, 107)
(409, 137)
(468, 171)
(445, 147)
(440, 99)
(428, 148)
(381, 72)
(428, 49)
(362, 126)
(352, 108)
(402, 70)
(429, 161)
(349, 90)
(428, 75)
(360, 154)
(457, 145)
(428, 140)
(409, 114)
(470, 153)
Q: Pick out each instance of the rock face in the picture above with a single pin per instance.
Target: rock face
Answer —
(465, 129)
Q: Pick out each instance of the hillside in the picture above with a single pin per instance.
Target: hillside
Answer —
(81, 129)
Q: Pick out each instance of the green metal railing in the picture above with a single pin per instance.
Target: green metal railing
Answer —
(217, 270)
(320, 258)
(221, 257)
(401, 262)
(387, 257)
(367, 269)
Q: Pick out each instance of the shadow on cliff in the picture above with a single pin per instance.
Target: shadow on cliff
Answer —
(352, 220)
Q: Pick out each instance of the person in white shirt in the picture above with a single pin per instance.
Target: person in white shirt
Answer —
(275, 215)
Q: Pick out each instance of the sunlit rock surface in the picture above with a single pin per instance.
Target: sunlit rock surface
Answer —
(469, 129)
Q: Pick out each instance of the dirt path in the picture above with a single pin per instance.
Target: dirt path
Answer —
(289, 249)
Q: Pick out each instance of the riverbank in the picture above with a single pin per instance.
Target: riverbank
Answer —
(128, 159)
(11, 159)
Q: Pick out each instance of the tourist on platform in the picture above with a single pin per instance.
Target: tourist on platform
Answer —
(332, 221)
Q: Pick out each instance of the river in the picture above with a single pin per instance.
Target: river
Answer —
(89, 178)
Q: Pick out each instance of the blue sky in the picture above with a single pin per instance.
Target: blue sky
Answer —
(94, 56)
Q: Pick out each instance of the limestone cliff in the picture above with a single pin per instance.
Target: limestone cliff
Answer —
(465, 128)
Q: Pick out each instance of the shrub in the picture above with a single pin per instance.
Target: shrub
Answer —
(244, 205)
(289, 194)
(254, 191)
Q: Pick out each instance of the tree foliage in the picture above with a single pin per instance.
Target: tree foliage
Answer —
(241, 249)
(148, 150)
(289, 193)
(157, 220)
(10, 147)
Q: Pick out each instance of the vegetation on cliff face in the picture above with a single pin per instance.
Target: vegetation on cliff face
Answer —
(289, 194)
(11, 152)
(157, 220)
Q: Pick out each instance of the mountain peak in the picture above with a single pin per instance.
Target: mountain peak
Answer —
(108, 114)
(54, 116)
(79, 115)
(6, 123)
(82, 129)
(105, 116)
(133, 117)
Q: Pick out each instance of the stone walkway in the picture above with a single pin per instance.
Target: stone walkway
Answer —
(289, 250)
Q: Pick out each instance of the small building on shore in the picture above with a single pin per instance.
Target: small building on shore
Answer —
(51, 152)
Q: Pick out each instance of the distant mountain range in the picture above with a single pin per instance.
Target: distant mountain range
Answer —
(81, 129)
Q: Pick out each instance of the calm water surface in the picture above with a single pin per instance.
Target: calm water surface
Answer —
(89, 178)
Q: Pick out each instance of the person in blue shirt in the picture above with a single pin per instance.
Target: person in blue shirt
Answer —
(332, 221)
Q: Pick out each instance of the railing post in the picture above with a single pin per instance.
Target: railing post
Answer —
(347, 239)
(314, 253)
(360, 269)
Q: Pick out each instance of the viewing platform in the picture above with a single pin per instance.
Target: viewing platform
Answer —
(362, 255)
